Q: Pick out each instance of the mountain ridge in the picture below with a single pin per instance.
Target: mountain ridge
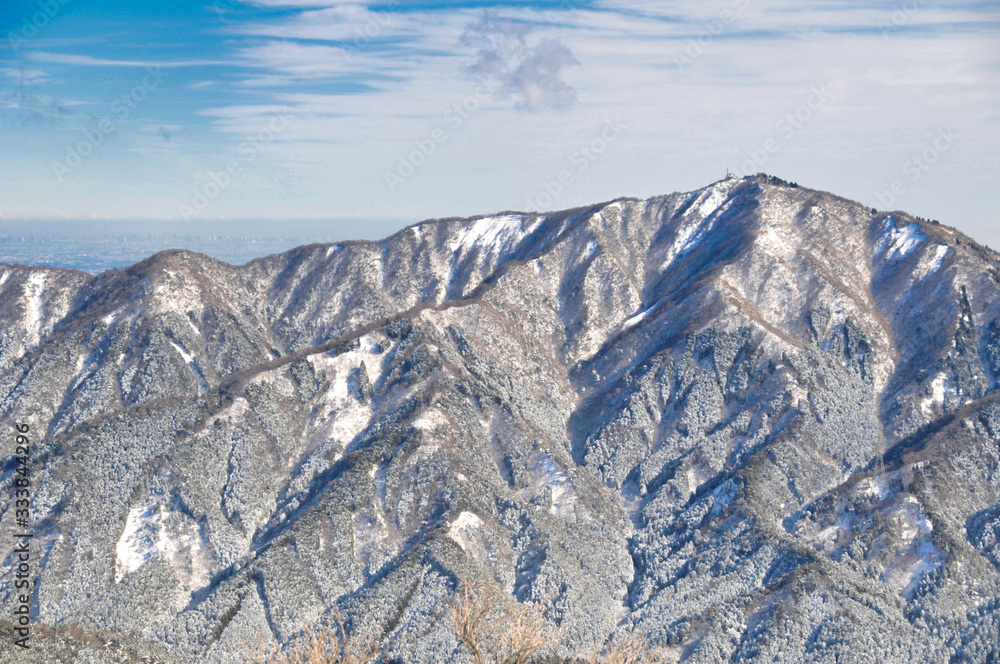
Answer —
(663, 416)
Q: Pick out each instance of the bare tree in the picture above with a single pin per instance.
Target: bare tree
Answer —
(325, 644)
(495, 632)
(633, 649)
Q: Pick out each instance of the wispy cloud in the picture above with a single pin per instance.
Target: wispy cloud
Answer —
(343, 22)
(297, 61)
(303, 3)
(90, 61)
(27, 101)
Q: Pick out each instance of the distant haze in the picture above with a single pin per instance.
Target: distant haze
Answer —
(97, 246)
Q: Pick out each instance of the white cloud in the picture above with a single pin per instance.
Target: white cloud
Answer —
(532, 72)
(304, 3)
(297, 61)
(341, 22)
(89, 61)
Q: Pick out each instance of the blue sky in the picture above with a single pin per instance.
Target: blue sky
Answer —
(197, 111)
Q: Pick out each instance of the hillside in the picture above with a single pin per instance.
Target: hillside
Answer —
(753, 422)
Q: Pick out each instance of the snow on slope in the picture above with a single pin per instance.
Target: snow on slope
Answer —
(898, 243)
(524, 458)
(152, 529)
(493, 236)
(34, 303)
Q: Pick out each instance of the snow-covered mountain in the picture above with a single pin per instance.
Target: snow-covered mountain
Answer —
(754, 423)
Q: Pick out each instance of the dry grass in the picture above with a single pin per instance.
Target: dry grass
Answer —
(495, 632)
(493, 629)
(325, 644)
(631, 650)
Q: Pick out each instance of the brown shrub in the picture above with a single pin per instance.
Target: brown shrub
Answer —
(493, 628)
(325, 644)
(630, 650)
(495, 632)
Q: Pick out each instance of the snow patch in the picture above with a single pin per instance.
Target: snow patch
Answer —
(33, 307)
(931, 262)
(562, 494)
(872, 486)
(722, 495)
(370, 536)
(698, 221)
(939, 253)
(693, 478)
(928, 560)
(939, 391)
(897, 243)
(378, 473)
(490, 233)
(184, 354)
(638, 318)
(202, 388)
(828, 534)
(4, 278)
(710, 201)
(460, 529)
(914, 522)
(919, 555)
(798, 393)
(430, 419)
(177, 293)
(153, 530)
(688, 236)
(137, 544)
(341, 415)
(774, 242)
(110, 318)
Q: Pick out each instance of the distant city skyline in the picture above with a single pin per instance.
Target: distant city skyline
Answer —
(388, 113)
